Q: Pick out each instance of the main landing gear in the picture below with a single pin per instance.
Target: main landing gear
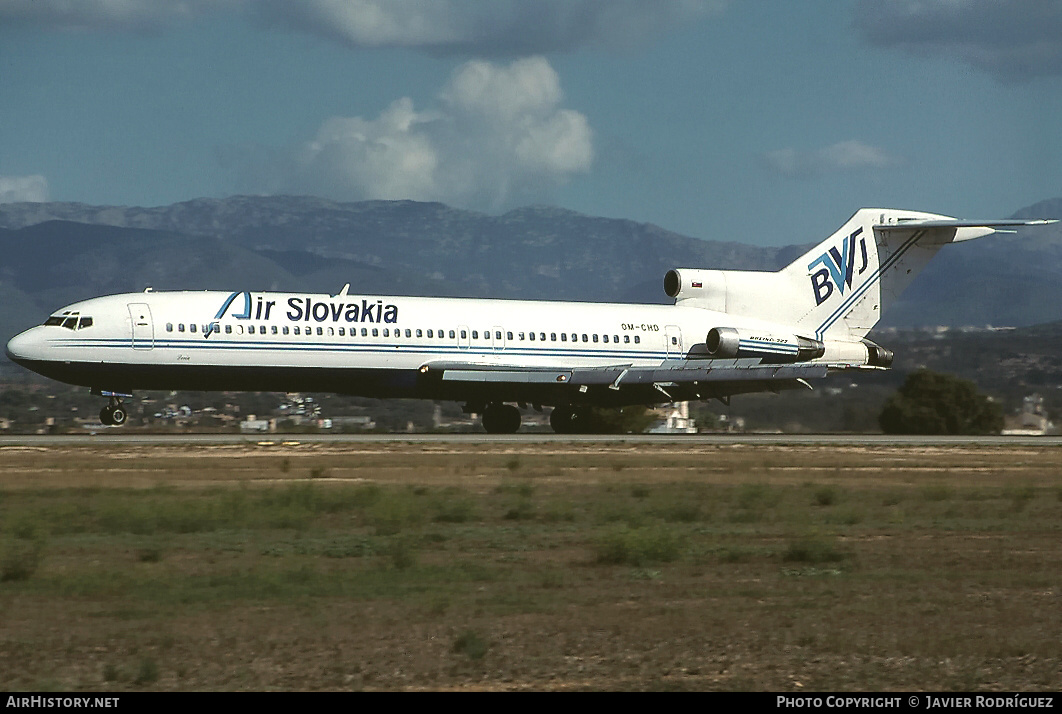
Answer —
(501, 419)
(114, 414)
(567, 420)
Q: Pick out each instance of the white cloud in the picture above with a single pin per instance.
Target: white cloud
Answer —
(848, 155)
(107, 14)
(14, 189)
(1014, 41)
(499, 28)
(496, 137)
(494, 28)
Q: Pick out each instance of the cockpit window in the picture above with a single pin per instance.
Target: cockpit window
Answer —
(69, 320)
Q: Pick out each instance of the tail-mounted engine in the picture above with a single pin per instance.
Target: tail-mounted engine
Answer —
(731, 342)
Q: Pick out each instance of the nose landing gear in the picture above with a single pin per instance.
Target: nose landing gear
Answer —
(114, 414)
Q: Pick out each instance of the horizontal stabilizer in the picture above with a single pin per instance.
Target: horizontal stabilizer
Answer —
(906, 224)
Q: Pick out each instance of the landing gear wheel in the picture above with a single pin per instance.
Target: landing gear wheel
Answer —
(114, 414)
(501, 419)
(566, 420)
(563, 420)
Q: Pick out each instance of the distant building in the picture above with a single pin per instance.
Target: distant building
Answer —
(676, 420)
(1032, 419)
(250, 425)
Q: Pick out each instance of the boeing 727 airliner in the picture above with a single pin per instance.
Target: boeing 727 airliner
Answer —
(729, 332)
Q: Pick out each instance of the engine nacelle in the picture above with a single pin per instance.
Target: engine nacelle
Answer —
(878, 356)
(731, 342)
(707, 286)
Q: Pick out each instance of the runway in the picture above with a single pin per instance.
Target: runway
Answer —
(119, 437)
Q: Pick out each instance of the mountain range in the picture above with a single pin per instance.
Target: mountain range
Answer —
(55, 253)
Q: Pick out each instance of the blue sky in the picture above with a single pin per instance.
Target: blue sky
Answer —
(766, 122)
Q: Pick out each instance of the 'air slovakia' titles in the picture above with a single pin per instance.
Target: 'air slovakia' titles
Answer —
(305, 308)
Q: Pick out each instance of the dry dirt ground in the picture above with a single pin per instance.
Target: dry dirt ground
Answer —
(560, 566)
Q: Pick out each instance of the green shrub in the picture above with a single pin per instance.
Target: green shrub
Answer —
(19, 559)
(470, 644)
(812, 549)
(638, 546)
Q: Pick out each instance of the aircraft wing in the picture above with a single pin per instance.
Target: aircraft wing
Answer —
(625, 383)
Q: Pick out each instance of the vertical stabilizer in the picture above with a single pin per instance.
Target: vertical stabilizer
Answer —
(851, 279)
(839, 289)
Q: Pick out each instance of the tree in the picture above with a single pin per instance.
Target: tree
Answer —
(935, 403)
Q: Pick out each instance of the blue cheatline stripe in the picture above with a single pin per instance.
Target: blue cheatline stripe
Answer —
(837, 314)
(383, 350)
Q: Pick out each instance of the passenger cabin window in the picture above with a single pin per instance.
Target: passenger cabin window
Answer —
(169, 327)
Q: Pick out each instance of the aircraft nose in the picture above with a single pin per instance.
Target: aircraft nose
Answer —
(20, 347)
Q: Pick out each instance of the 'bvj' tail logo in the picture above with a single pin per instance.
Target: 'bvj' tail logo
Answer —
(837, 266)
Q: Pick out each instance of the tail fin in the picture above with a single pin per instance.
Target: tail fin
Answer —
(851, 279)
(841, 287)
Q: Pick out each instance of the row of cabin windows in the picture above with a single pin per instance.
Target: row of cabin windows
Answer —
(420, 333)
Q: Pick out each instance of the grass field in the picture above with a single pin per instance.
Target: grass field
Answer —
(539, 566)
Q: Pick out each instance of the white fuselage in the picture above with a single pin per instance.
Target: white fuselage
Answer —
(354, 344)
